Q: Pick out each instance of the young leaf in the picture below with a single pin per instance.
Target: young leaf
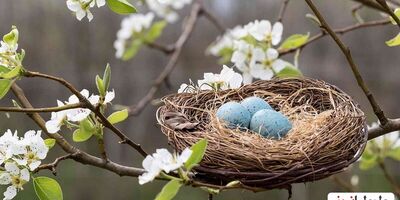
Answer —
(107, 77)
(395, 153)
(394, 42)
(100, 86)
(294, 41)
(50, 142)
(121, 6)
(397, 13)
(85, 131)
(169, 190)
(118, 116)
(47, 189)
(289, 71)
(155, 31)
(313, 18)
(11, 74)
(3, 69)
(198, 151)
(11, 38)
(132, 50)
(5, 85)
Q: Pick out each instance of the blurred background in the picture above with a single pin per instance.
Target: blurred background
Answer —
(58, 44)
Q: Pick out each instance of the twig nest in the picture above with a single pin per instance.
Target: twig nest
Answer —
(328, 133)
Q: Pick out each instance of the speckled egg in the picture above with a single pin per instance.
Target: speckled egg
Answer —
(254, 104)
(234, 114)
(270, 123)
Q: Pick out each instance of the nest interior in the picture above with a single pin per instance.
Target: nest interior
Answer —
(328, 133)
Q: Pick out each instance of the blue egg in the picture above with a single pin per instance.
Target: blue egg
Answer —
(270, 124)
(254, 104)
(234, 115)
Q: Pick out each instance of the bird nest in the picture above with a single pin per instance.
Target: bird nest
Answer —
(328, 134)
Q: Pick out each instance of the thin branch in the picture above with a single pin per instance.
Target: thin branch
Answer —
(396, 188)
(52, 166)
(41, 110)
(389, 11)
(213, 19)
(346, 51)
(124, 139)
(340, 31)
(392, 125)
(165, 49)
(282, 11)
(372, 4)
(187, 31)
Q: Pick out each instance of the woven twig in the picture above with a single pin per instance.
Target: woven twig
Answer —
(328, 133)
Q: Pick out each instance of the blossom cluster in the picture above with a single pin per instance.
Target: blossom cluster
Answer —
(160, 161)
(131, 26)
(77, 114)
(252, 49)
(81, 8)
(227, 79)
(20, 156)
(135, 25)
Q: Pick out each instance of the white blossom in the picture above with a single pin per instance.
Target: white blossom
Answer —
(131, 25)
(15, 177)
(166, 9)
(81, 8)
(35, 150)
(7, 145)
(227, 79)
(242, 55)
(79, 114)
(265, 64)
(160, 161)
(263, 31)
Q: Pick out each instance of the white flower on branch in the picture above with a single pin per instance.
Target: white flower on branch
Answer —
(264, 64)
(160, 161)
(15, 177)
(34, 150)
(227, 79)
(131, 26)
(76, 114)
(263, 31)
(7, 145)
(81, 8)
(166, 9)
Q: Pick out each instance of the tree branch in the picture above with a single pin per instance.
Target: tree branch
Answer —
(340, 31)
(124, 139)
(389, 11)
(372, 4)
(346, 51)
(282, 11)
(40, 110)
(187, 31)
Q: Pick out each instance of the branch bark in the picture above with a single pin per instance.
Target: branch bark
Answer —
(346, 51)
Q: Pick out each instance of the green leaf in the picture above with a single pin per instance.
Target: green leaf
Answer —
(12, 73)
(397, 13)
(85, 131)
(121, 6)
(288, 72)
(107, 77)
(100, 86)
(5, 85)
(294, 41)
(169, 190)
(198, 151)
(4, 69)
(11, 38)
(394, 153)
(313, 19)
(50, 142)
(155, 31)
(47, 188)
(118, 116)
(394, 42)
(132, 50)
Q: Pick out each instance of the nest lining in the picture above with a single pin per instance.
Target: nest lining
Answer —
(328, 133)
